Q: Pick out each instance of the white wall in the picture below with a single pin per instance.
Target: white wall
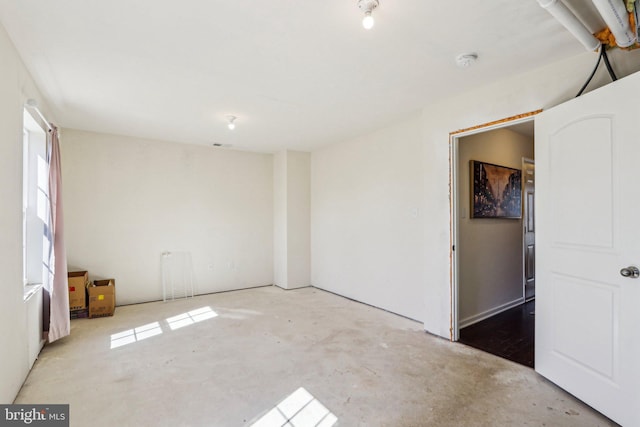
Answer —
(489, 250)
(16, 86)
(366, 244)
(298, 219)
(292, 217)
(280, 259)
(34, 306)
(367, 225)
(127, 200)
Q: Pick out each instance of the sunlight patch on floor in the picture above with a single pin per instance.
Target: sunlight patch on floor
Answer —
(152, 329)
(191, 317)
(136, 334)
(299, 409)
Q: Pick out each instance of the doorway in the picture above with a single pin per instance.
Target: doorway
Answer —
(493, 255)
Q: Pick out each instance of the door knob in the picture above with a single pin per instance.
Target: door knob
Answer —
(631, 272)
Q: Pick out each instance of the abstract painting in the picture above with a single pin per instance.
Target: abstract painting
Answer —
(496, 191)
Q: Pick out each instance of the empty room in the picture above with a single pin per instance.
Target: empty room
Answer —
(339, 213)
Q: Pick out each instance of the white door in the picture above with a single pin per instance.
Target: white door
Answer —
(587, 213)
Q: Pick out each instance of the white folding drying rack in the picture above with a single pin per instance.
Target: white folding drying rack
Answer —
(177, 275)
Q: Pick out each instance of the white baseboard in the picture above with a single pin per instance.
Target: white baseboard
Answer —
(462, 323)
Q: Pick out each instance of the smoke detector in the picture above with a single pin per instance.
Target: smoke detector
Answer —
(465, 60)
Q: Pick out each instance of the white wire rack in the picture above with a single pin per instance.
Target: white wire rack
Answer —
(177, 275)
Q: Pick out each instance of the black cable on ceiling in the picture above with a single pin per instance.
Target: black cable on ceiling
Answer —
(608, 64)
(601, 56)
(593, 72)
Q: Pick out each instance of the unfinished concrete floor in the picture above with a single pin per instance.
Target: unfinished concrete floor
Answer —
(254, 356)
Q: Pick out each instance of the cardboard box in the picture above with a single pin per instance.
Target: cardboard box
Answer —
(102, 298)
(79, 314)
(77, 282)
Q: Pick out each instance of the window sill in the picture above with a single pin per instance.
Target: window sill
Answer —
(31, 289)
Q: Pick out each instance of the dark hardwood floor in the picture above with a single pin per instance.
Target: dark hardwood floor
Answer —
(509, 334)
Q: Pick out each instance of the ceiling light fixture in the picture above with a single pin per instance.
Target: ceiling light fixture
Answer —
(231, 120)
(367, 6)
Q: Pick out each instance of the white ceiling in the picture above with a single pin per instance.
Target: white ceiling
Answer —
(297, 74)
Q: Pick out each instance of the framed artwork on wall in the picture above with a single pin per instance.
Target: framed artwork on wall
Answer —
(496, 191)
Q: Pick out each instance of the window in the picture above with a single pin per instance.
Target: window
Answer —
(36, 241)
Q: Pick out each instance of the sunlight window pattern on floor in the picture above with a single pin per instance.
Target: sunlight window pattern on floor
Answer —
(152, 329)
(299, 409)
(191, 317)
(137, 334)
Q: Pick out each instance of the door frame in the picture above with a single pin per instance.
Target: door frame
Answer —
(454, 215)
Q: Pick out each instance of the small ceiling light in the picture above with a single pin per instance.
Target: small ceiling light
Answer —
(367, 6)
(231, 124)
(465, 60)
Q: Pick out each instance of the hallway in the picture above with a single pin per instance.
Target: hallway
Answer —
(509, 334)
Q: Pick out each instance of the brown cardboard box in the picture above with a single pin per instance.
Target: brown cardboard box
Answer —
(77, 282)
(102, 298)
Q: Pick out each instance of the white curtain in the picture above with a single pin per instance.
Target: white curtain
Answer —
(59, 323)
